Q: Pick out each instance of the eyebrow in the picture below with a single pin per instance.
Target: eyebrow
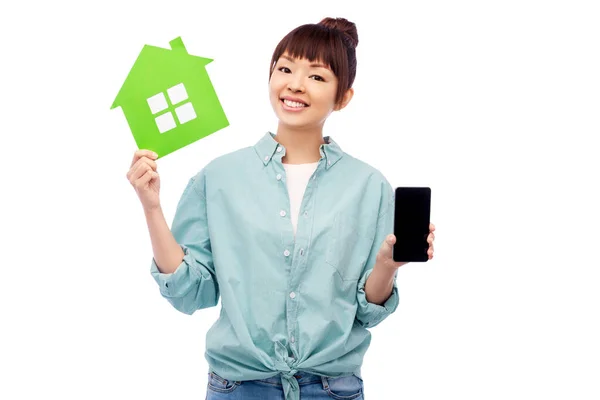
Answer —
(313, 65)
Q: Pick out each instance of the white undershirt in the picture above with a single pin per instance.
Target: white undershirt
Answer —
(298, 176)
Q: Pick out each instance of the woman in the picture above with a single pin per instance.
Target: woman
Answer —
(287, 234)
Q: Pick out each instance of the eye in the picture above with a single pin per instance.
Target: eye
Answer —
(320, 78)
(280, 68)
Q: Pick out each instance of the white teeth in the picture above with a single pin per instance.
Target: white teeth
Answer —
(290, 103)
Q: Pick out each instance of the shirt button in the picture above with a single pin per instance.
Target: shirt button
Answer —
(286, 253)
(266, 158)
(282, 213)
(328, 162)
(301, 252)
(278, 177)
(293, 295)
(292, 339)
(279, 149)
(306, 213)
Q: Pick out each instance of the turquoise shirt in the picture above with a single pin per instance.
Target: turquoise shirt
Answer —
(287, 304)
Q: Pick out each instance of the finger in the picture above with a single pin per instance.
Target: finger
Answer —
(387, 247)
(138, 168)
(431, 227)
(148, 161)
(135, 172)
(140, 153)
(143, 153)
(144, 179)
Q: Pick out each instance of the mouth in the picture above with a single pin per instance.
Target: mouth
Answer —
(293, 105)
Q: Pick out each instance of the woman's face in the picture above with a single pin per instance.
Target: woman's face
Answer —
(302, 93)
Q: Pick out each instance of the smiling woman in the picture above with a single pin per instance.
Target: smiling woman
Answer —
(287, 233)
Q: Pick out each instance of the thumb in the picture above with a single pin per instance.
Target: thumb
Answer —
(391, 239)
(387, 246)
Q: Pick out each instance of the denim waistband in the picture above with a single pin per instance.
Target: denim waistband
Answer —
(301, 376)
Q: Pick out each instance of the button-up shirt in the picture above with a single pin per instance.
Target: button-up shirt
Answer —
(288, 304)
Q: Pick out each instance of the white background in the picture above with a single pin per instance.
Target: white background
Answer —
(494, 105)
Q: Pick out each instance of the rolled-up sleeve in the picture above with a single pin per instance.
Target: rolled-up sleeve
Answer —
(369, 314)
(193, 285)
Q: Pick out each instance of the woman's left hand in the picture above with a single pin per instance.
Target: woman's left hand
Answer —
(385, 255)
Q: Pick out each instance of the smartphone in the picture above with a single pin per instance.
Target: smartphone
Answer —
(411, 223)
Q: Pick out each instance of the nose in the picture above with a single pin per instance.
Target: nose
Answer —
(295, 85)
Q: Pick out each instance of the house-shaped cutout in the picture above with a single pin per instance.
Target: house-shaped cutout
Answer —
(168, 99)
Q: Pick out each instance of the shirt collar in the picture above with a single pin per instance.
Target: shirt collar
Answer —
(266, 148)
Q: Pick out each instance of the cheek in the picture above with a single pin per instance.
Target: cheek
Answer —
(273, 96)
(323, 101)
(324, 96)
(276, 82)
(274, 90)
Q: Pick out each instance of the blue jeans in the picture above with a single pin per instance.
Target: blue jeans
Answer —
(312, 387)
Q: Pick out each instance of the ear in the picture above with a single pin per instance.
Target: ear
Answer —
(345, 100)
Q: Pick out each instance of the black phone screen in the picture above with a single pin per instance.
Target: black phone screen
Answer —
(411, 223)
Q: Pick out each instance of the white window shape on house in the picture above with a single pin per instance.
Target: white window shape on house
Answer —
(157, 103)
(185, 112)
(177, 93)
(165, 122)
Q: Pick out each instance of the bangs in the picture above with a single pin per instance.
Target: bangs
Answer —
(315, 43)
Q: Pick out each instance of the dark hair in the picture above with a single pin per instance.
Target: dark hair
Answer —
(332, 41)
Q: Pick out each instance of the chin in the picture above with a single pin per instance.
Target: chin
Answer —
(291, 120)
(292, 124)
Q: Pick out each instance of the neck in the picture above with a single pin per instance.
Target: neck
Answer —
(301, 145)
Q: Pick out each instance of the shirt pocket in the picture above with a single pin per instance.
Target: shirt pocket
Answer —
(349, 246)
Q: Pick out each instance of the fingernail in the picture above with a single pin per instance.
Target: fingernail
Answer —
(155, 155)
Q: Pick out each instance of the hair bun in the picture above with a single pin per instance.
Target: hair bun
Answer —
(343, 25)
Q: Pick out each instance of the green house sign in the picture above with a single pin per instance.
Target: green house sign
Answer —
(168, 99)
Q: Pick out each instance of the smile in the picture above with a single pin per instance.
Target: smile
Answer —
(293, 105)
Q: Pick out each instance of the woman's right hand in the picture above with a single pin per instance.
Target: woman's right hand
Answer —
(144, 178)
